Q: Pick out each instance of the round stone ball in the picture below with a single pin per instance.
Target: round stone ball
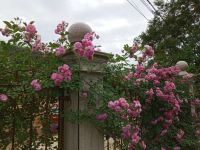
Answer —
(77, 31)
(183, 65)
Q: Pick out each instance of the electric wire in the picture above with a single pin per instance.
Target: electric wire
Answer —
(137, 9)
(155, 9)
(147, 6)
(152, 5)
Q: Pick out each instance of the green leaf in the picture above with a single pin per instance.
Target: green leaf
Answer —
(8, 24)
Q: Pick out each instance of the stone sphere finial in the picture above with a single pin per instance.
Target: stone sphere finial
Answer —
(183, 66)
(77, 31)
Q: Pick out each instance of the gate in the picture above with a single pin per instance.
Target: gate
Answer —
(31, 121)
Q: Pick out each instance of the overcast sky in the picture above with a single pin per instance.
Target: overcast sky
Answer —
(115, 21)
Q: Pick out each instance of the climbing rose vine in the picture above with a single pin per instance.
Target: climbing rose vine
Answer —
(3, 97)
(86, 47)
(142, 104)
(36, 85)
(159, 95)
(64, 74)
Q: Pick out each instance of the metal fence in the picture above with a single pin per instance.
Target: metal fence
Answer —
(112, 143)
(31, 121)
(36, 120)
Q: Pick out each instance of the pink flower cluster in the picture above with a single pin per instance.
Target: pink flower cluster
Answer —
(149, 94)
(169, 116)
(132, 135)
(118, 105)
(158, 120)
(125, 110)
(177, 148)
(61, 27)
(135, 138)
(148, 51)
(101, 117)
(37, 45)
(179, 135)
(169, 86)
(155, 75)
(30, 32)
(64, 74)
(128, 76)
(3, 98)
(36, 85)
(195, 102)
(168, 120)
(166, 93)
(31, 37)
(30, 28)
(126, 131)
(60, 51)
(139, 70)
(85, 47)
(133, 49)
(85, 94)
(135, 109)
(187, 77)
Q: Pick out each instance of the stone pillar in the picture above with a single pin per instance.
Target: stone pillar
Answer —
(83, 136)
(183, 66)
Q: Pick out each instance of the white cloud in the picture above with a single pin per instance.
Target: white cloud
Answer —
(115, 21)
(107, 24)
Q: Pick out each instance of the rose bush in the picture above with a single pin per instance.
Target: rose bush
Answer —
(163, 118)
(145, 105)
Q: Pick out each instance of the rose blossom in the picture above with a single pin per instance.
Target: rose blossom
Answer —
(3, 98)
(30, 28)
(58, 78)
(60, 51)
(101, 117)
(180, 135)
(36, 85)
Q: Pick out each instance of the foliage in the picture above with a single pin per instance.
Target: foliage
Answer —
(23, 62)
(143, 82)
(143, 104)
(174, 32)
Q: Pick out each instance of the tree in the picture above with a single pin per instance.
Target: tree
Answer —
(174, 32)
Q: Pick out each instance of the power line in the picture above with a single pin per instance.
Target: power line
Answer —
(135, 4)
(136, 8)
(147, 6)
(152, 5)
(155, 9)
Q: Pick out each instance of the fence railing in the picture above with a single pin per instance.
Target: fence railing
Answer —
(28, 120)
(112, 143)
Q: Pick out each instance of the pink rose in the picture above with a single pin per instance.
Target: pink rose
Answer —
(36, 85)
(60, 51)
(58, 78)
(30, 28)
(3, 98)
(177, 148)
(101, 117)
